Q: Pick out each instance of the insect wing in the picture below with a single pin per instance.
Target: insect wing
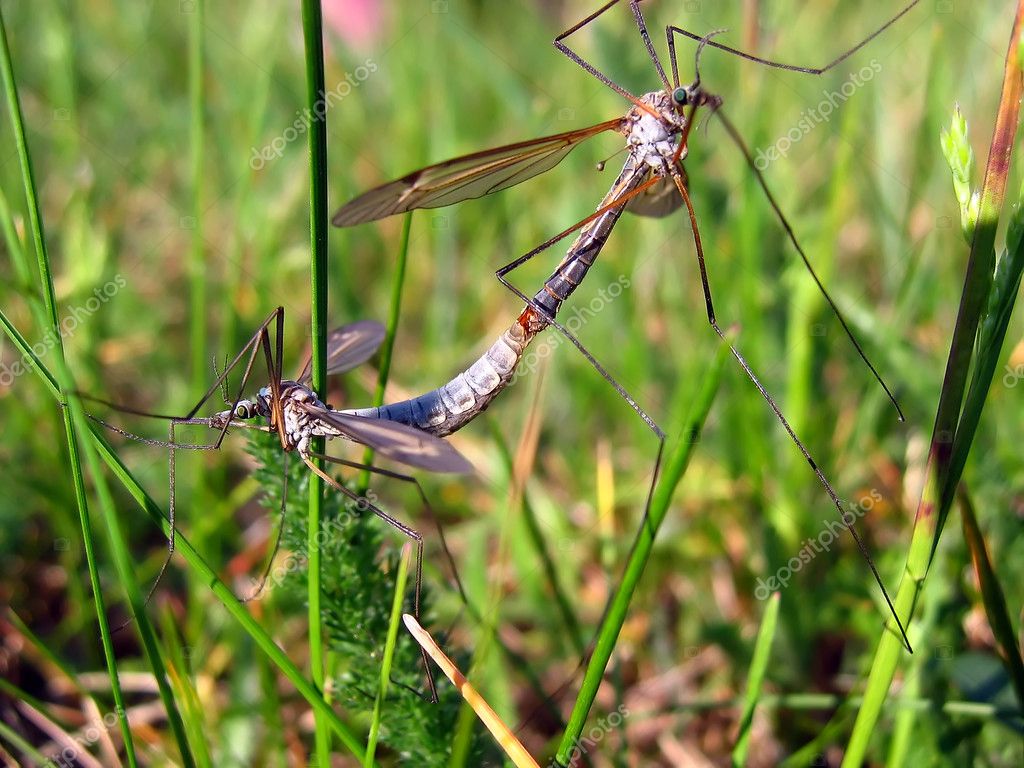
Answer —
(658, 200)
(466, 177)
(397, 441)
(347, 347)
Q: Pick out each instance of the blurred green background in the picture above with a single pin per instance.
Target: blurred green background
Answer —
(105, 90)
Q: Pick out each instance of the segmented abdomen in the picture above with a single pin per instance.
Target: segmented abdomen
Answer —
(447, 408)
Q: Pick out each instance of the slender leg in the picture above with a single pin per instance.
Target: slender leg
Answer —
(405, 530)
(540, 312)
(473, 611)
(641, 26)
(258, 342)
(173, 445)
(252, 346)
(705, 285)
(671, 31)
(738, 141)
(590, 68)
(262, 583)
(590, 358)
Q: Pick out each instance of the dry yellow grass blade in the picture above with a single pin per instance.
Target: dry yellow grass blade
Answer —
(506, 739)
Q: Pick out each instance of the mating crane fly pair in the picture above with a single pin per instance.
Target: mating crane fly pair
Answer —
(657, 129)
(652, 181)
(295, 413)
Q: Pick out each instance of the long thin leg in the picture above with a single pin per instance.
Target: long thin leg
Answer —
(673, 30)
(738, 141)
(590, 358)
(594, 71)
(540, 312)
(423, 498)
(471, 609)
(173, 445)
(705, 285)
(258, 342)
(641, 26)
(262, 583)
(402, 528)
(252, 347)
(276, 407)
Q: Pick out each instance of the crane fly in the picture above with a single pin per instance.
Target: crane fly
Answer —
(295, 413)
(657, 129)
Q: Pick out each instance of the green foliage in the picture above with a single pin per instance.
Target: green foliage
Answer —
(110, 106)
(357, 584)
(957, 149)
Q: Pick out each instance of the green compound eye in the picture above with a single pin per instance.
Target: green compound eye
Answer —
(680, 96)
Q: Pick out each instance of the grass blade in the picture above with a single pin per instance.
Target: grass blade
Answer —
(641, 550)
(755, 678)
(993, 596)
(401, 579)
(940, 476)
(313, 35)
(195, 561)
(198, 333)
(388, 347)
(64, 379)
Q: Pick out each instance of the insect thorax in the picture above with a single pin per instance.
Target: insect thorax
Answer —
(299, 423)
(654, 139)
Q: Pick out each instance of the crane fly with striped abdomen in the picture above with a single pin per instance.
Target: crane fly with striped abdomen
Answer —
(296, 414)
(657, 129)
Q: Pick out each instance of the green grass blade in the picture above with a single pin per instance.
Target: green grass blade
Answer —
(401, 580)
(125, 572)
(202, 570)
(64, 380)
(935, 499)
(993, 597)
(313, 35)
(180, 680)
(990, 343)
(195, 266)
(198, 332)
(756, 676)
(15, 739)
(609, 631)
(122, 559)
(223, 593)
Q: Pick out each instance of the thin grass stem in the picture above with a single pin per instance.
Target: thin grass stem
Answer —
(939, 477)
(615, 616)
(312, 29)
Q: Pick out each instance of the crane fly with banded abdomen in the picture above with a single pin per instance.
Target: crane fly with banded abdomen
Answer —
(657, 129)
(295, 413)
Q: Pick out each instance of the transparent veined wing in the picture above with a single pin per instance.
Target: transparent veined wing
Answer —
(347, 347)
(466, 177)
(658, 200)
(396, 441)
